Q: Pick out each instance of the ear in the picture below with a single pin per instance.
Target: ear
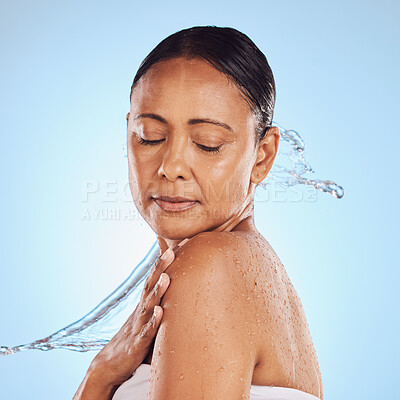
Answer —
(127, 118)
(266, 153)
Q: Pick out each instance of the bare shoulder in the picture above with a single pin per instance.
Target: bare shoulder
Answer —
(227, 256)
(231, 314)
(220, 240)
(203, 341)
(211, 260)
(225, 244)
(239, 295)
(238, 263)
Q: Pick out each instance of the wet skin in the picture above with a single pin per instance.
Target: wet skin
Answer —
(174, 151)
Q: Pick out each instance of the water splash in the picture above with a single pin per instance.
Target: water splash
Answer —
(95, 329)
(290, 166)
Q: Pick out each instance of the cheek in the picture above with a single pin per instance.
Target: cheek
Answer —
(134, 187)
(225, 181)
(139, 177)
(239, 185)
(239, 176)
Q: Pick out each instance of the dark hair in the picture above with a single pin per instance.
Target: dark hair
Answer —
(230, 52)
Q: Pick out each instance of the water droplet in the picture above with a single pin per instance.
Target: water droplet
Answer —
(181, 376)
(221, 369)
(205, 348)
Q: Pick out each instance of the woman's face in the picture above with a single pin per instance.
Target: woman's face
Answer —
(191, 136)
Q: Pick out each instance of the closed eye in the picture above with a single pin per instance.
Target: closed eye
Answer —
(200, 146)
(149, 142)
(209, 149)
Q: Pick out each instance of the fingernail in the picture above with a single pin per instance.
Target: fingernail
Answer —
(183, 242)
(161, 279)
(180, 244)
(168, 255)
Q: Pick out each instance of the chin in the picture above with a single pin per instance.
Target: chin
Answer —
(177, 228)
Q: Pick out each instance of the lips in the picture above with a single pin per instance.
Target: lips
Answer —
(172, 204)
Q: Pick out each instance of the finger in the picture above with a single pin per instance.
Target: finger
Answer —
(160, 268)
(154, 298)
(160, 265)
(149, 329)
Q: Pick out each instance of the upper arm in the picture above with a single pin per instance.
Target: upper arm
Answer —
(202, 347)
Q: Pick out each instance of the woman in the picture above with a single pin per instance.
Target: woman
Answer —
(199, 141)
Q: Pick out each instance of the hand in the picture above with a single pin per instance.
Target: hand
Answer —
(118, 360)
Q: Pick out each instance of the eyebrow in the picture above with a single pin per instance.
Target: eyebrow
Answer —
(193, 121)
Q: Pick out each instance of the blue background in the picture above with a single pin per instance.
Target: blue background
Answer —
(65, 76)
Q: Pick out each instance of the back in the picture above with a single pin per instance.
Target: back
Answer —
(286, 354)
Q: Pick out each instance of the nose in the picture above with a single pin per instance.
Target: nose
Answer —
(174, 164)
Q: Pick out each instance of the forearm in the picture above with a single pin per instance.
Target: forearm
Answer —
(94, 388)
